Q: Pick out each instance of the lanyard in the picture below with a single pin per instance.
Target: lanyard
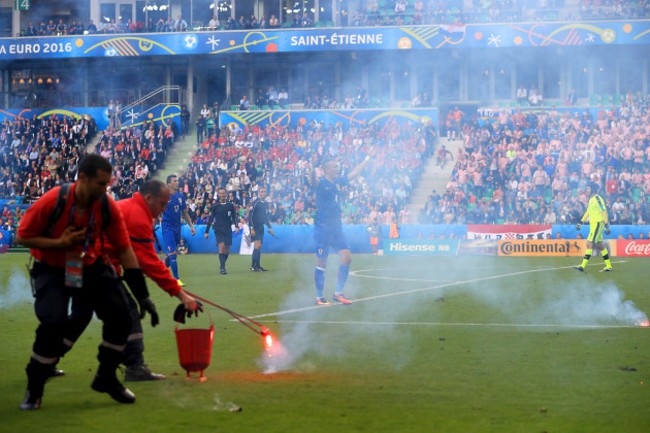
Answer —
(88, 232)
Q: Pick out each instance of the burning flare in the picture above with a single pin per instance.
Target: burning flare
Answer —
(268, 338)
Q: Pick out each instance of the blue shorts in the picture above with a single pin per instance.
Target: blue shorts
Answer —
(329, 238)
(171, 239)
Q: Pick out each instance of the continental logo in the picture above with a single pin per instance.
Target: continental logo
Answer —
(527, 248)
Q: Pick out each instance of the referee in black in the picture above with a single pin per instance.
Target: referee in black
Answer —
(224, 218)
(259, 217)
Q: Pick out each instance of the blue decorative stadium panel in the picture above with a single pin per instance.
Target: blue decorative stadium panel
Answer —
(347, 118)
(428, 37)
(163, 113)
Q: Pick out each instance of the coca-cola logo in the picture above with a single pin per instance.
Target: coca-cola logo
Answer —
(637, 249)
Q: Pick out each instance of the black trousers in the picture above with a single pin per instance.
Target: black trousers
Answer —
(81, 315)
(101, 293)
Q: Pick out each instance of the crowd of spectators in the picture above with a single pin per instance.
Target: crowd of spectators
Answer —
(37, 154)
(370, 13)
(136, 153)
(281, 159)
(537, 167)
(110, 26)
(542, 168)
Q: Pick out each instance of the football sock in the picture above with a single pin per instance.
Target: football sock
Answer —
(222, 260)
(256, 257)
(319, 277)
(341, 278)
(605, 254)
(587, 257)
(174, 265)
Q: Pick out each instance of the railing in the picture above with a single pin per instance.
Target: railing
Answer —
(161, 95)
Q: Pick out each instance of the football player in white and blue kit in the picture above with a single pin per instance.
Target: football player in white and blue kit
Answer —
(328, 231)
(171, 224)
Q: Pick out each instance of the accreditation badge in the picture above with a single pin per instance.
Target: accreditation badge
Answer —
(73, 270)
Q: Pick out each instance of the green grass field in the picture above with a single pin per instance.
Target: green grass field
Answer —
(450, 344)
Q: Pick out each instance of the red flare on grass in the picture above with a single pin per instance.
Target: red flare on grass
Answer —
(644, 324)
(268, 338)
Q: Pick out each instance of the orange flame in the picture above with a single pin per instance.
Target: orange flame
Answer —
(644, 324)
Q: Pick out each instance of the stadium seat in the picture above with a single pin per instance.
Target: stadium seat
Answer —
(275, 107)
(265, 107)
(254, 108)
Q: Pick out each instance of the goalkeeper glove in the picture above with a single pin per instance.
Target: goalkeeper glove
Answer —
(607, 230)
(578, 226)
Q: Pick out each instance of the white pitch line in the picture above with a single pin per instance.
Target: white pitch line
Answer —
(376, 277)
(503, 325)
(424, 289)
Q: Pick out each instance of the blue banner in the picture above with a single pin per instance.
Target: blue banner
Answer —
(426, 247)
(160, 113)
(5, 237)
(426, 37)
(346, 117)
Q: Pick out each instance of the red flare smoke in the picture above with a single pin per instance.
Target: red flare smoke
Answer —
(644, 324)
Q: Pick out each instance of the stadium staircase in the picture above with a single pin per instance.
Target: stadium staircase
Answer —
(92, 144)
(178, 157)
(433, 177)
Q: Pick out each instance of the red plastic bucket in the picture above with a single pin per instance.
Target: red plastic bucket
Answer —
(194, 349)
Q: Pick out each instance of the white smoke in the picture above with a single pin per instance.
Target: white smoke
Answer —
(14, 289)
(302, 339)
(581, 302)
(588, 303)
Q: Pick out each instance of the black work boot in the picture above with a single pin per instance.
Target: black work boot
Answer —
(109, 384)
(37, 375)
(30, 402)
(105, 379)
(140, 373)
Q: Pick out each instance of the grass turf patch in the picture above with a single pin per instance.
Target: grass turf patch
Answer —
(431, 344)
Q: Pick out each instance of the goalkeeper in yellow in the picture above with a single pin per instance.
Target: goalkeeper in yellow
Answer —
(598, 221)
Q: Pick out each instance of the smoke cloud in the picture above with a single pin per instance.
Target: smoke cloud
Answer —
(579, 302)
(14, 289)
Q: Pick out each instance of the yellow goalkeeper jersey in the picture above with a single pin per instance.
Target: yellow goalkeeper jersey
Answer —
(596, 210)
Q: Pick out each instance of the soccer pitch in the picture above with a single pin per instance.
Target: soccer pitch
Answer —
(444, 344)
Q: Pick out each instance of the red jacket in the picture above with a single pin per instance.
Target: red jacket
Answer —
(36, 219)
(139, 223)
